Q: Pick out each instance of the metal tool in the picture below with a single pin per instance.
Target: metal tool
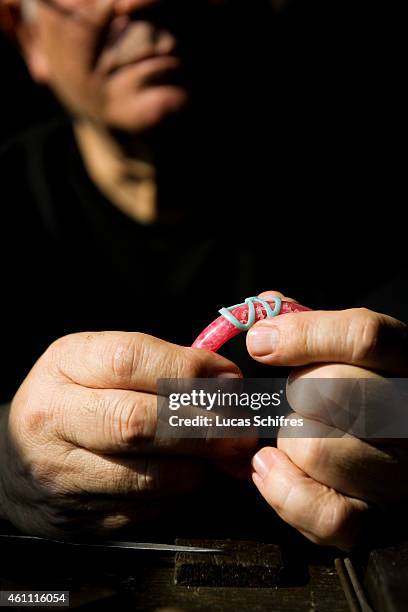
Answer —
(352, 587)
(145, 546)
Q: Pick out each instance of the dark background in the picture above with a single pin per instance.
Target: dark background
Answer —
(22, 102)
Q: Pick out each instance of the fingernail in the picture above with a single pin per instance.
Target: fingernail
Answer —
(270, 296)
(262, 462)
(263, 340)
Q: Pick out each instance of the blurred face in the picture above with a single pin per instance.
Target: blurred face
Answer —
(121, 63)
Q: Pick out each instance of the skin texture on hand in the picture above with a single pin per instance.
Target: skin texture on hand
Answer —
(78, 452)
(325, 485)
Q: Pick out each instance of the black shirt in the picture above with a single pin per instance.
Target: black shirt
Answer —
(313, 226)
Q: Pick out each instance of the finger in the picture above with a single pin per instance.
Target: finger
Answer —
(323, 514)
(337, 394)
(355, 400)
(350, 466)
(120, 421)
(131, 361)
(266, 294)
(357, 336)
(143, 477)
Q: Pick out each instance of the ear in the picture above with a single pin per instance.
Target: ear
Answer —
(27, 36)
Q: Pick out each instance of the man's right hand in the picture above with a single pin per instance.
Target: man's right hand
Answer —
(78, 452)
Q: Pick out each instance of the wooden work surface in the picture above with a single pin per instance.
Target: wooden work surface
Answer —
(132, 580)
(144, 581)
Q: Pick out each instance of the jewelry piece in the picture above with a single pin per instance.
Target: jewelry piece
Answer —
(242, 317)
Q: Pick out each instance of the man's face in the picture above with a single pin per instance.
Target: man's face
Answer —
(120, 63)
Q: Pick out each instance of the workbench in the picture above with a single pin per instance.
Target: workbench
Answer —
(133, 580)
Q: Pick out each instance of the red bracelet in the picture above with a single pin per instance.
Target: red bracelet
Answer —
(241, 317)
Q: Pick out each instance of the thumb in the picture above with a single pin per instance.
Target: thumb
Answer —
(357, 336)
(319, 512)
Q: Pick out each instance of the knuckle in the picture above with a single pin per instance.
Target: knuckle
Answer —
(33, 411)
(34, 420)
(363, 334)
(130, 422)
(125, 356)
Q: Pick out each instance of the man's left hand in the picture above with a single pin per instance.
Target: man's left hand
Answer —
(324, 486)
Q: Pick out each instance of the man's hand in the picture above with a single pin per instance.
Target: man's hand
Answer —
(78, 451)
(324, 486)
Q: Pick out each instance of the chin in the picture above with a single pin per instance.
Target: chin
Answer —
(144, 112)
